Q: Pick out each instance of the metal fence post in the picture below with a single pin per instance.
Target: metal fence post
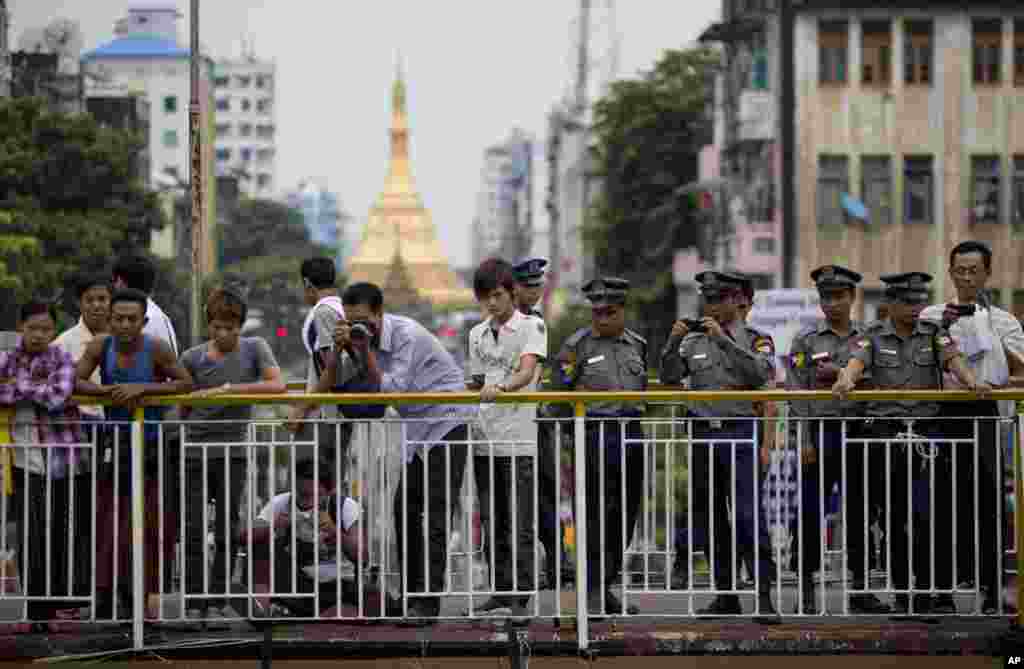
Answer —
(582, 586)
(138, 531)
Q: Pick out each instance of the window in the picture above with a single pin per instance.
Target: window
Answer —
(876, 53)
(223, 154)
(988, 50)
(242, 80)
(263, 81)
(265, 131)
(223, 104)
(170, 138)
(1018, 52)
(985, 189)
(170, 104)
(764, 246)
(245, 129)
(264, 155)
(1018, 190)
(223, 129)
(263, 180)
(246, 154)
(171, 171)
(917, 45)
(876, 188)
(917, 187)
(264, 105)
(832, 52)
(221, 82)
(833, 181)
(246, 104)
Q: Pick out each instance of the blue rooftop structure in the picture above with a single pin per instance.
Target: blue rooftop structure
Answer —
(137, 46)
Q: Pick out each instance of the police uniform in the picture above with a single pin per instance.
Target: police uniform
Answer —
(813, 351)
(531, 273)
(914, 362)
(589, 361)
(743, 359)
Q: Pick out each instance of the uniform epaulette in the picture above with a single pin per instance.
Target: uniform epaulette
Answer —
(577, 337)
(635, 336)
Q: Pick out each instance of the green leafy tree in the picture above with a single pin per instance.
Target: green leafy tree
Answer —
(648, 133)
(71, 198)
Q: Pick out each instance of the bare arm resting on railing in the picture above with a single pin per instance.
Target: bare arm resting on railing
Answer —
(165, 365)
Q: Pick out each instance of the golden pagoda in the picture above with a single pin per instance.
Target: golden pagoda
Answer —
(400, 245)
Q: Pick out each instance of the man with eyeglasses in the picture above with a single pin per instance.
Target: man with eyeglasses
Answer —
(719, 352)
(992, 342)
(905, 352)
(607, 356)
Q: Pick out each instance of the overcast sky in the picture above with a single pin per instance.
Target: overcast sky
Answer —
(474, 70)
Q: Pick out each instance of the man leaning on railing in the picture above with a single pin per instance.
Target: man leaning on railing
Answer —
(992, 342)
(400, 356)
(907, 353)
(36, 382)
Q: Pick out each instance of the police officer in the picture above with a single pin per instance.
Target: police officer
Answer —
(817, 354)
(607, 356)
(906, 353)
(529, 275)
(722, 353)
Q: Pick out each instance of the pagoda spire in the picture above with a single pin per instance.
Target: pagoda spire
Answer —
(399, 182)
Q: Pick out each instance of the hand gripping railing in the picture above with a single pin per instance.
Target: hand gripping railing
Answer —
(579, 402)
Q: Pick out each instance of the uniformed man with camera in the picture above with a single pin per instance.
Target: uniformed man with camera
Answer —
(608, 356)
(719, 352)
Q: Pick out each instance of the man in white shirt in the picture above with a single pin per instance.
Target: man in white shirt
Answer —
(992, 342)
(137, 272)
(504, 356)
(93, 292)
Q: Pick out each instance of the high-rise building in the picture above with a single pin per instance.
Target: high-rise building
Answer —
(503, 226)
(146, 58)
(326, 221)
(907, 110)
(5, 65)
(246, 129)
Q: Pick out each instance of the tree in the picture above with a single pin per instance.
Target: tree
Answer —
(266, 228)
(648, 135)
(71, 198)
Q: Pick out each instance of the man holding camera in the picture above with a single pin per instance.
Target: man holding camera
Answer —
(992, 342)
(719, 352)
(400, 356)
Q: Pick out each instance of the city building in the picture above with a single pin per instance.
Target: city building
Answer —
(5, 64)
(400, 250)
(503, 226)
(328, 224)
(246, 127)
(912, 111)
(146, 57)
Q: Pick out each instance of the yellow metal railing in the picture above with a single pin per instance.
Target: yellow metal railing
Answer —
(579, 401)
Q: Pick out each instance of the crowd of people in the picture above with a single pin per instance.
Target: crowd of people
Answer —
(62, 456)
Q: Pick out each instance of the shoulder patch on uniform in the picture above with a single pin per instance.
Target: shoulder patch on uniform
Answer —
(567, 366)
(797, 360)
(763, 344)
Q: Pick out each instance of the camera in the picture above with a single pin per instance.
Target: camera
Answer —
(694, 325)
(962, 310)
(362, 329)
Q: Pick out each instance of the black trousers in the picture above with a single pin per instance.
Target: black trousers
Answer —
(30, 511)
(430, 504)
(312, 603)
(990, 489)
(605, 537)
(548, 462)
(226, 488)
(826, 436)
(911, 489)
(745, 506)
(512, 523)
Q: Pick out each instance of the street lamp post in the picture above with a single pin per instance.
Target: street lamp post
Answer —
(196, 174)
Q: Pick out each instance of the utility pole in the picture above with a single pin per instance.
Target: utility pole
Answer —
(196, 176)
(787, 118)
(582, 72)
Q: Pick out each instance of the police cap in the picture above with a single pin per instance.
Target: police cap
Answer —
(910, 287)
(717, 284)
(606, 291)
(530, 272)
(835, 276)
